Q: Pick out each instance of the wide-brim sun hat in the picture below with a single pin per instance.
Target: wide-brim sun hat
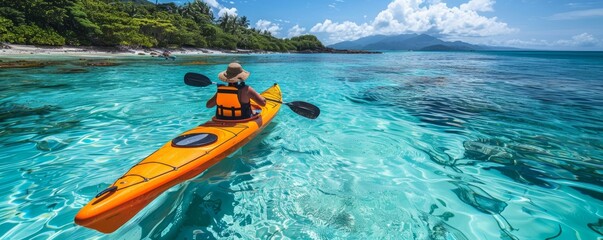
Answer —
(234, 73)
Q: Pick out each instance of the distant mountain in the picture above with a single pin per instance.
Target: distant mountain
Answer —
(415, 42)
(358, 44)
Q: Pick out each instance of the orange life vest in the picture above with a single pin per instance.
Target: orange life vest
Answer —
(229, 105)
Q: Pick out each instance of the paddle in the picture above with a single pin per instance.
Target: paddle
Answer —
(304, 109)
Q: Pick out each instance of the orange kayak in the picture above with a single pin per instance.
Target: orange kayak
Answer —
(183, 158)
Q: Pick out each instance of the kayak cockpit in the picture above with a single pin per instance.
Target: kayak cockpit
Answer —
(194, 140)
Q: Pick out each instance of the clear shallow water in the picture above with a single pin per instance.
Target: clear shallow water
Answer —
(409, 145)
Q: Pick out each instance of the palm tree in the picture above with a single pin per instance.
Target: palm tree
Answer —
(243, 22)
(198, 11)
(224, 21)
(234, 21)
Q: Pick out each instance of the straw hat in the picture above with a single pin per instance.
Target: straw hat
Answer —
(234, 73)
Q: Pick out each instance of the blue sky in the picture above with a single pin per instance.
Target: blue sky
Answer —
(534, 24)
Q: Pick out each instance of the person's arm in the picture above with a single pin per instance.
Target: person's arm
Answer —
(211, 102)
(256, 97)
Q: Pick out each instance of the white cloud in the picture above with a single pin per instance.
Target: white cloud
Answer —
(281, 20)
(221, 9)
(343, 31)
(268, 26)
(212, 3)
(583, 40)
(597, 12)
(296, 31)
(229, 11)
(478, 6)
(417, 16)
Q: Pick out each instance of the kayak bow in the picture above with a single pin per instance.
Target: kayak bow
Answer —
(183, 158)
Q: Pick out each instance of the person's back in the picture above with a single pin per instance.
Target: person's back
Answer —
(233, 100)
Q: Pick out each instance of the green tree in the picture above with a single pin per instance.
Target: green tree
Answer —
(224, 22)
(243, 22)
(199, 11)
(136, 23)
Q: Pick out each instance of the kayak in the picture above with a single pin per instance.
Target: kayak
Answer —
(182, 158)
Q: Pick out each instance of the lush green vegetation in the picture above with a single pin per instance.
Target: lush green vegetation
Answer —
(137, 23)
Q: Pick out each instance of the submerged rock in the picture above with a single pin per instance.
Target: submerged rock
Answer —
(479, 199)
(443, 231)
(479, 150)
(101, 64)
(12, 110)
(440, 156)
(71, 70)
(51, 144)
(26, 64)
(597, 227)
(97, 62)
(196, 63)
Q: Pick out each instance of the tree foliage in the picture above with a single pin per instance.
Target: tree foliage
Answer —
(135, 23)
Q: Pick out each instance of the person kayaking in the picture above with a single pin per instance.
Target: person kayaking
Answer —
(233, 100)
(167, 55)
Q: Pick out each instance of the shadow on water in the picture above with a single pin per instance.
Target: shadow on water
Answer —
(71, 70)
(23, 85)
(484, 202)
(12, 110)
(38, 124)
(597, 227)
(26, 64)
(430, 108)
(525, 162)
(525, 148)
(529, 164)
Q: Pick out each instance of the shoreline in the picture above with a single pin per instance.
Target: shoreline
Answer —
(16, 50)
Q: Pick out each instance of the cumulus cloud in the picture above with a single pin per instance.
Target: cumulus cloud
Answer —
(581, 40)
(267, 26)
(417, 16)
(221, 9)
(478, 5)
(212, 3)
(229, 11)
(597, 12)
(578, 41)
(281, 20)
(296, 31)
(343, 31)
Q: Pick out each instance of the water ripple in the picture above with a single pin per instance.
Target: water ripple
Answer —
(412, 145)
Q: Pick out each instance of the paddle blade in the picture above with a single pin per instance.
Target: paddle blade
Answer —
(196, 80)
(304, 109)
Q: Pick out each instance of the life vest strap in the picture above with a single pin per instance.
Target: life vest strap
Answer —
(228, 91)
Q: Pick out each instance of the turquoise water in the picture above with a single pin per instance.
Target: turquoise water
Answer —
(409, 145)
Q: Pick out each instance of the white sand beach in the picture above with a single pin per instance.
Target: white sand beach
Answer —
(11, 50)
